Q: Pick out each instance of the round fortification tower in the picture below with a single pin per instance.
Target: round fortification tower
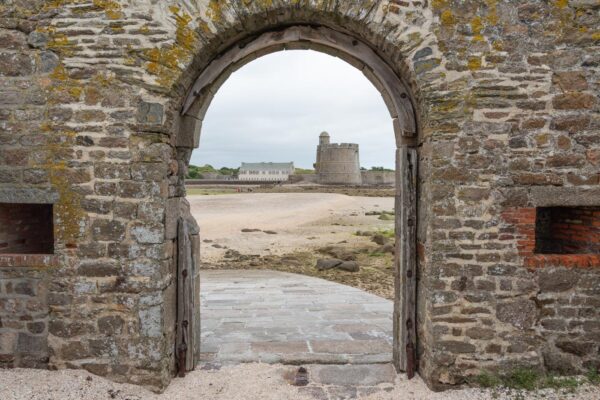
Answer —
(337, 163)
(324, 138)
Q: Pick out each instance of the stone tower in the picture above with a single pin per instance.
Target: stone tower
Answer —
(337, 163)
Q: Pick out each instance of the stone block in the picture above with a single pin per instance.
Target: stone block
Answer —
(151, 321)
(74, 351)
(27, 343)
(36, 328)
(150, 113)
(47, 62)
(104, 347)
(111, 325)
(38, 39)
(456, 347)
(557, 280)
(148, 233)
(570, 81)
(27, 195)
(147, 268)
(99, 268)
(560, 363)
(520, 313)
(112, 171)
(172, 214)
(66, 329)
(8, 342)
(16, 64)
(149, 171)
(574, 101)
(189, 132)
(108, 230)
(548, 196)
(572, 346)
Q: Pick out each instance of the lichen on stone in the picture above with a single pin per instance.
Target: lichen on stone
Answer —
(165, 63)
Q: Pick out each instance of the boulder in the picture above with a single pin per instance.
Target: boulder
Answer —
(350, 266)
(339, 252)
(328, 263)
(379, 239)
(388, 248)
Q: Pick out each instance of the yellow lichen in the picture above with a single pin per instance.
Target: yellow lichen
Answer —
(562, 3)
(165, 62)
(111, 8)
(492, 14)
(68, 208)
(474, 63)
(448, 18)
(185, 36)
(75, 92)
(596, 36)
(59, 149)
(477, 27)
(214, 10)
(59, 73)
(439, 4)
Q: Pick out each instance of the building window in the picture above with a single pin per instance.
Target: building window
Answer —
(26, 229)
(567, 230)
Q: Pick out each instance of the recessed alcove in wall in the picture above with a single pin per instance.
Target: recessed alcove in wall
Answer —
(26, 228)
(567, 230)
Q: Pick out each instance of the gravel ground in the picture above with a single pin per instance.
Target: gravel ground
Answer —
(239, 382)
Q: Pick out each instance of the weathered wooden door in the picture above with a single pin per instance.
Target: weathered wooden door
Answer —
(187, 345)
(405, 332)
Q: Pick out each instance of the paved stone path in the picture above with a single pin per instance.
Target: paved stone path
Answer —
(278, 317)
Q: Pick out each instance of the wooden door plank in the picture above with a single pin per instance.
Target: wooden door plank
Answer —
(406, 261)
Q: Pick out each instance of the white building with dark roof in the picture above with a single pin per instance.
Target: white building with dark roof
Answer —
(266, 172)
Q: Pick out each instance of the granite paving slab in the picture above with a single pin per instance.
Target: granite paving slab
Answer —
(279, 317)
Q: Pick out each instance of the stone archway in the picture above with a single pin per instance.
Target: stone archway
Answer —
(399, 102)
(506, 108)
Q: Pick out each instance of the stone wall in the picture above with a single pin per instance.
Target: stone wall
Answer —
(24, 311)
(568, 308)
(308, 178)
(378, 178)
(506, 94)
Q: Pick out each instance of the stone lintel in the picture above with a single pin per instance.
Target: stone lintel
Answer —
(28, 195)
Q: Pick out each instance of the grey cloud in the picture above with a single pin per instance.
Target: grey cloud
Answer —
(274, 108)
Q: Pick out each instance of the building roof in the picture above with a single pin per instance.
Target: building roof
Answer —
(267, 166)
(323, 134)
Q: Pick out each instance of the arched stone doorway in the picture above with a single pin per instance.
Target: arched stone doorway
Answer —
(506, 110)
(399, 101)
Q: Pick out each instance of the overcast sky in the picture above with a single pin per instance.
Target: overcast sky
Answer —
(274, 108)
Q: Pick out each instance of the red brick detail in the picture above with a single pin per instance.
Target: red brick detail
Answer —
(28, 260)
(520, 227)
